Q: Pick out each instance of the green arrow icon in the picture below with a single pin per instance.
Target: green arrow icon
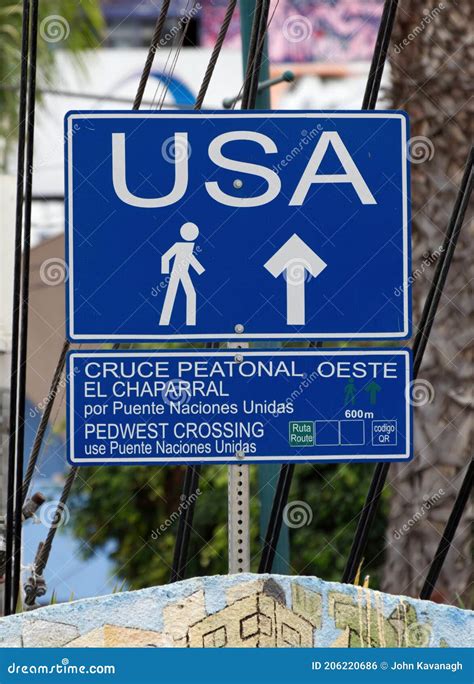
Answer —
(373, 389)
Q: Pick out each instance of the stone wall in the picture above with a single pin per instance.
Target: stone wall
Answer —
(243, 611)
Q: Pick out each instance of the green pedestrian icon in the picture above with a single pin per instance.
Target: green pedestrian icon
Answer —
(349, 392)
(373, 389)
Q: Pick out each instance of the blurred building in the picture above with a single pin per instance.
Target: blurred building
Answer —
(130, 23)
(327, 31)
(334, 32)
(7, 224)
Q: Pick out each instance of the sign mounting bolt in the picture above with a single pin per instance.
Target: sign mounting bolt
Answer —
(239, 454)
(237, 183)
(239, 328)
(238, 358)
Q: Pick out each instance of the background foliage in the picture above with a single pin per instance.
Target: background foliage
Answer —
(125, 505)
(85, 17)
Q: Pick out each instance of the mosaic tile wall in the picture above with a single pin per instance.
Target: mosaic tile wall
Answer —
(243, 611)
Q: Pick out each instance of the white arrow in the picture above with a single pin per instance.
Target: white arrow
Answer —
(295, 259)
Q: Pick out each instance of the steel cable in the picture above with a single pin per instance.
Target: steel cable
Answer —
(192, 473)
(456, 221)
(215, 54)
(40, 433)
(17, 281)
(151, 53)
(25, 297)
(448, 533)
(23, 485)
(370, 100)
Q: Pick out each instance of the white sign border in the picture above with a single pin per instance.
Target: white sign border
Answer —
(73, 116)
(251, 459)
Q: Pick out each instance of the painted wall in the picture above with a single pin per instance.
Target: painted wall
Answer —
(243, 610)
(334, 31)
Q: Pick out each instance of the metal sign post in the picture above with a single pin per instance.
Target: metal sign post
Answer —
(239, 518)
(238, 488)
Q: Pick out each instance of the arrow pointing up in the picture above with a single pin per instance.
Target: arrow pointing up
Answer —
(295, 259)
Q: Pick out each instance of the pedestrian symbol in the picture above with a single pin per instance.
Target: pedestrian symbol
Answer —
(349, 392)
(182, 253)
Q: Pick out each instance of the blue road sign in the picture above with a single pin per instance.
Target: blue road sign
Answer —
(234, 225)
(233, 406)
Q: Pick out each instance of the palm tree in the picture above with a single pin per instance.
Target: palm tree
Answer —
(69, 25)
(432, 74)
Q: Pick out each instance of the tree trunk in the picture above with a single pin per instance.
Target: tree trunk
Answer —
(432, 63)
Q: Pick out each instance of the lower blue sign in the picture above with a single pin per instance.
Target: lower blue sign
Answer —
(238, 406)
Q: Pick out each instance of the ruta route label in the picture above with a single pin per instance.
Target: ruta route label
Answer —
(238, 406)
